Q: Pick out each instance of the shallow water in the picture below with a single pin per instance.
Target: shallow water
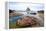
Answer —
(14, 18)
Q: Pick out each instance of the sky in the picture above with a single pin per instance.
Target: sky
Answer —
(23, 6)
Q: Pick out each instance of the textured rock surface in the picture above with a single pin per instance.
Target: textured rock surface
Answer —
(24, 21)
(29, 21)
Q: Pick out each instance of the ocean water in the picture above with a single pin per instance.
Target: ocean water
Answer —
(13, 19)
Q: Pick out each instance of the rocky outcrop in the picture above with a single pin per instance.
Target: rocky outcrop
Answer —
(24, 21)
(28, 21)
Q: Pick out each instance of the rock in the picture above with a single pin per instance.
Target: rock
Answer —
(29, 21)
(24, 21)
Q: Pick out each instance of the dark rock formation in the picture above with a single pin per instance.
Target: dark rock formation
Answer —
(41, 11)
(10, 11)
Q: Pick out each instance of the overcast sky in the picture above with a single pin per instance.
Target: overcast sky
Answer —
(23, 6)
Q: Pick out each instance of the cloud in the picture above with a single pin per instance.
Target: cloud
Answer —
(23, 6)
